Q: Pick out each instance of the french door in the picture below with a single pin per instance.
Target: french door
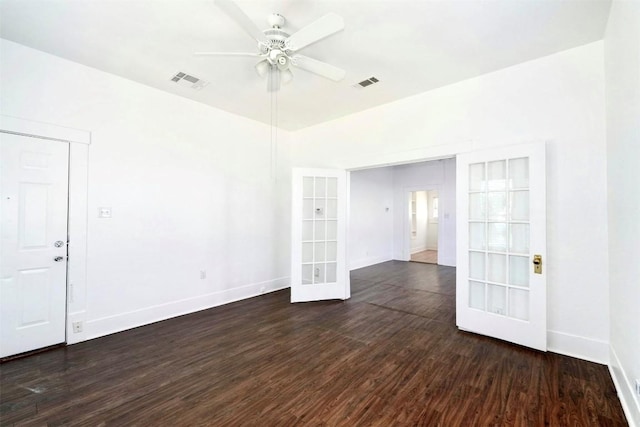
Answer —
(33, 246)
(501, 244)
(319, 220)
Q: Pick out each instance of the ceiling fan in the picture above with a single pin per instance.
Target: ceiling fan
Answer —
(279, 50)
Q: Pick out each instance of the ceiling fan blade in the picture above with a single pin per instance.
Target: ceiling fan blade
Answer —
(273, 80)
(226, 54)
(317, 30)
(318, 67)
(234, 12)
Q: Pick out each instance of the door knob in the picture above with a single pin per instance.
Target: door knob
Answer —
(58, 258)
(58, 243)
(537, 264)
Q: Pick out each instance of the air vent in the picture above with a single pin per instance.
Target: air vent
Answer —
(185, 79)
(365, 83)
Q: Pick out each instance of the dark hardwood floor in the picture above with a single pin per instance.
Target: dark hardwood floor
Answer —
(389, 356)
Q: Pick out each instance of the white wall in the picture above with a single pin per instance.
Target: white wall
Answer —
(434, 175)
(560, 99)
(371, 218)
(190, 187)
(622, 60)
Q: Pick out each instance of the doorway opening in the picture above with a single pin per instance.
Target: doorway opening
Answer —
(380, 220)
(423, 213)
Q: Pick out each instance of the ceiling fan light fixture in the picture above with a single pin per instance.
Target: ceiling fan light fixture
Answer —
(279, 49)
(286, 76)
(282, 62)
(262, 68)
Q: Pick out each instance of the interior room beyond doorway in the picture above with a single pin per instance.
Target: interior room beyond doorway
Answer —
(380, 221)
(423, 214)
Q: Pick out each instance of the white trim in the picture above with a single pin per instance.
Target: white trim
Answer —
(624, 387)
(366, 262)
(78, 236)
(133, 319)
(43, 130)
(445, 150)
(79, 142)
(347, 221)
(577, 346)
(447, 262)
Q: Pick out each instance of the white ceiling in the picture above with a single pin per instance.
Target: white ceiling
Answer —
(411, 46)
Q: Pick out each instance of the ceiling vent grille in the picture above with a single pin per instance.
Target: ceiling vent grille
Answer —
(365, 83)
(185, 79)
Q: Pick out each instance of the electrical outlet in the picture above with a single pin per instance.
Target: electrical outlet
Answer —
(104, 212)
(638, 388)
(203, 274)
(77, 327)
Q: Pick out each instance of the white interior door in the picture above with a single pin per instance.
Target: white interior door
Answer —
(33, 248)
(319, 222)
(501, 230)
(432, 220)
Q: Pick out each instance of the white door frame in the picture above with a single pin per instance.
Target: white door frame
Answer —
(79, 142)
(406, 222)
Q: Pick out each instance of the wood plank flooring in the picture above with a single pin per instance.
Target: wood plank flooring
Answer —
(428, 256)
(389, 356)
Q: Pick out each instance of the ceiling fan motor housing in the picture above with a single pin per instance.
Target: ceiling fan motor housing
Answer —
(276, 20)
(276, 39)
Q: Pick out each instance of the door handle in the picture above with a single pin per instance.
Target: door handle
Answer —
(537, 264)
(58, 258)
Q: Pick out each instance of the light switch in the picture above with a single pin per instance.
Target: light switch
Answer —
(104, 212)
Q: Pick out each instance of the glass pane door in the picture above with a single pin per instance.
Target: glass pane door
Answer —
(498, 230)
(319, 230)
(501, 230)
(318, 249)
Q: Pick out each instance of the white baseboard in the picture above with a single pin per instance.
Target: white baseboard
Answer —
(625, 389)
(579, 347)
(448, 262)
(120, 322)
(366, 262)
